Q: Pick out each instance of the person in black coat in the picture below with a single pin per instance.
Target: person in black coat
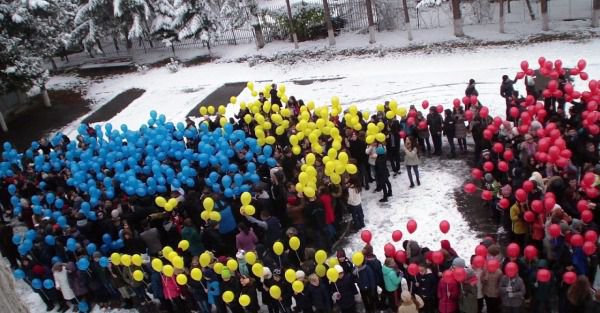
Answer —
(318, 294)
(382, 174)
(434, 120)
(274, 97)
(248, 288)
(393, 146)
(425, 286)
(343, 291)
(357, 147)
(449, 131)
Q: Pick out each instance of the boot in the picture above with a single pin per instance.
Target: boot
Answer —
(384, 199)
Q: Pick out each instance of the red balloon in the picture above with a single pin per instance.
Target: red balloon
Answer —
(469, 115)
(413, 269)
(389, 250)
(400, 256)
(422, 125)
(543, 275)
(444, 226)
(554, 230)
(521, 195)
(474, 100)
(530, 252)
(439, 108)
(493, 265)
(481, 250)
(549, 203)
(396, 235)
(498, 147)
(366, 236)
(411, 226)
(488, 166)
(589, 178)
(487, 195)
(541, 61)
(514, 112)
(591, 236)
(576, 240)
(504, 203)
(476, 173)
(524, 65)
(511, 269)
(513, 250)
(459, 274)
(466, 100)
(478, 261)
(583, 75)
(425, 104)
(456, 103)
(574, 71)
(503, 166)
(508, 155)
(537, 206)
(448, 277)
(529, 216)
(402, 134)
(528, 186)
(437, 257)
(487, 134)
(470, 188)
(589, 248)
(569, 278)
(592, 192)
(581, 64)
(587, 216)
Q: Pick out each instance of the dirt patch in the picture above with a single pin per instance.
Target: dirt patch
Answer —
(218, 97)
(201, 59)
(114, 106)
(37, 120)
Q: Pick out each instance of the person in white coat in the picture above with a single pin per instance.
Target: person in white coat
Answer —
(411, 159)
(61, 281)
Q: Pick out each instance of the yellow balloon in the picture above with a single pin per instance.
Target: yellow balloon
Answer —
(228, 296)
(370, 139)
(380, 108)
(294, 243)
(208, 204)
(126, 259)
(231, 100)
(258, 270)
(270, 140)
(320, 256)
(358, 258)
(160, 202)
(333, 275)
(172, 255)
(172, 202)
(380, 137)
(183, 245)
(296, 150)
(390, 115)
(178, 262)
(250, 258)
(138, 275)
(232, 265)
(115, 258)
(275, 292)
(136, 259)
(204, 259)
(250, 85)
(320, 270)
(343, 157)
(196, 274)
(157, 265)
(167, 270)
(211, 110)
(278, 248)
(336, 179)
(168, 207)
(246, 198)
(309, 191)
(248, 118)
(218, 268)
(166, 250)
(203, 111)
(290, 275)
(298, 286)
(181, 279)
(205, 215)
(310, 159)
(244, 300)
(401, 111)
(351, 168)
(215, 216)
(333, 261)
(249, 209)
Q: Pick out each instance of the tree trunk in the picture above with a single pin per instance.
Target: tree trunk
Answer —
(330, 33)
(407, 21)
(45, 97)
(501, 18)
(291, 20)
(458, 22)
(54, 67)
(3, 125)
(596, 13)
(545, 18)
(508, 6)
(100, 46)
(530, 9)
(115, 43)
(260, 38)
(371, 21)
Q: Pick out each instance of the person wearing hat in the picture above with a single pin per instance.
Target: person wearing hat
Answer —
(471, 91)
(519, 226)
(344, 262)
(382, 173)
(467, 302)
(343, 291)
(435, 123)
(248, 287)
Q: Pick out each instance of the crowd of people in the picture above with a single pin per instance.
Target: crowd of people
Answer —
(241, 215)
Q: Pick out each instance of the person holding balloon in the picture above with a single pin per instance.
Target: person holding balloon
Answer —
(512, 289)
(318, 295)
(248, 289)
(61, 282)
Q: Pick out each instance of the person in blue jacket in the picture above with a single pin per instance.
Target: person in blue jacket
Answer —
(343, 291)
(367, 284)
(318, 294)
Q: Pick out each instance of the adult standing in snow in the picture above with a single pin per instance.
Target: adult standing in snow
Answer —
(425, 287)
(423, 133)
(448, 293)
(450, 130)
(383, 174)
(393, 146)
(507, 91)
(435, 122)
(411, 159)
(460, 130)
(357, 146)
(274, 96)
(355, 203)
(471, 91)
(393, 280)
(61, 282)
(512, 293)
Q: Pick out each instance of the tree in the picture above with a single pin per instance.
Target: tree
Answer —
(291, 21)
(545, 18)
(457, 16)
(407, 20)
(371, 21)
(595, 13)
(330, 33)
(193, 16)
(501, 12)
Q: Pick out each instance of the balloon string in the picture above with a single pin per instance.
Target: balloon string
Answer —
(298, 256)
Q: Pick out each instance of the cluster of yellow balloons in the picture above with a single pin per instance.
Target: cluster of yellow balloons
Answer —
(169, 205)
(125, 259)
(210, 110)
(307, 179)
(247, 208)
(208, 214)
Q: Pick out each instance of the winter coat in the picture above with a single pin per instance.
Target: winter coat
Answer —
(214, 292)
(250, 290)
(450, 126)
(512, 291)
(411, 157)
(246, 242)
(491, 283)
(519, 226)
(227, 223)
(391, 278)
(434, 120)
(170, 289)
(381, 170)
(375, 266)
(365, 278)
(468, 298)
(77, 280)
(194, 238)
(319, 297)
(448, 295)
(425, 286)
(151, 238)
(347, 290)
(61, 282)
(460, 130)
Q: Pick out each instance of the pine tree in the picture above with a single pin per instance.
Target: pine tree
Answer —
(193, 16)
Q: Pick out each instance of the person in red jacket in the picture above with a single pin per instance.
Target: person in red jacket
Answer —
(448, 294)
(327, 203)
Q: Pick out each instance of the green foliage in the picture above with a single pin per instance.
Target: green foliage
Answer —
(308, 21)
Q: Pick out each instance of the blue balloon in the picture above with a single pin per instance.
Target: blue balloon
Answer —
(59, 203)
(30, 234)
(91, 248)
(55, 259)
(50, 197)
(71, 244)
(48, 284)
(19, 274)
(228, 193)
(35, 200)
(37, 209)
(83, 264)
(50, 240)
(36, 283)
(271, 162)
(12, 189)
(267, 151)
(16, 239)
(103, 261)
(62, 221)
(83, 307)
(226, 181)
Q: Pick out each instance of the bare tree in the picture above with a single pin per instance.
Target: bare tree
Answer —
(371, 21)
(458, 22)
(407, 21)
(528, 2)
(595, 13)
(545, 18)
(501, 18)
(330, 33)
(292, 29)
